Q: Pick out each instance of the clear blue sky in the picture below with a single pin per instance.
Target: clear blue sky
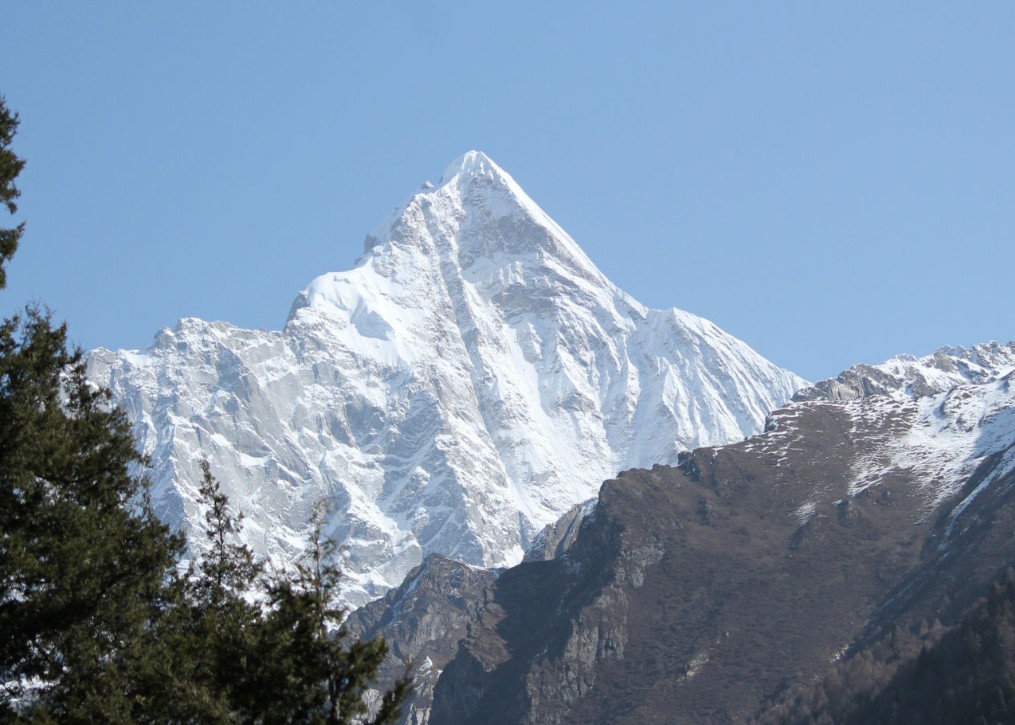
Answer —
(832, 182)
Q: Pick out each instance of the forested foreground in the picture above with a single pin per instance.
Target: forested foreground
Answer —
(100, 622)
(964, 675)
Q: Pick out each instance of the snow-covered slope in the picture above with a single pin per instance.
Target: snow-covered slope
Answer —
(470, 380)
(934, 420)
(913, 377)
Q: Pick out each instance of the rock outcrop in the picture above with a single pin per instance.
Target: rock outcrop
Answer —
(694, 594)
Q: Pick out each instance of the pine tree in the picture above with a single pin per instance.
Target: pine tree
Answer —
(301, 667)
(97, 623)
(207, 635)
(83, 560)
(338, 672)
(10, 167)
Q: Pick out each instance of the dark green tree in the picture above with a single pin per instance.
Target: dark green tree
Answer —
(97, 622)
(83, 560)
(286, 658)
(228, 570)
(304, 631)
(10, 167)
(204, 643)
(81, 556)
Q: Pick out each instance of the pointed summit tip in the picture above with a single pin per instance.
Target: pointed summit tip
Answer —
(472, 164)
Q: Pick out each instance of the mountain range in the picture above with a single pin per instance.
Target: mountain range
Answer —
(472, 378)
(874, 504)
(559, 506)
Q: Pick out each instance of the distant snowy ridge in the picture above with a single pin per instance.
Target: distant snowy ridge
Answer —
(912, 376)
(469, 381)
(940, 418)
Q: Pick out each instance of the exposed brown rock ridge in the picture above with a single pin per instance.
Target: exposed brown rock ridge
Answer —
(695, 593)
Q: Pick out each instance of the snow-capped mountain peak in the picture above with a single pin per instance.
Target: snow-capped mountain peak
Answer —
(475, 164)
(487, 214)
(471, 378)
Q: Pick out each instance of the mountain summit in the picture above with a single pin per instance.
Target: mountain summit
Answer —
(470, 380)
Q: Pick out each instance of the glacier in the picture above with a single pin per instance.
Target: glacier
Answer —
(471, 379)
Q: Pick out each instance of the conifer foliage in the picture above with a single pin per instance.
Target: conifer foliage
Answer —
(98, 622)
(82, 559)
(10, 167)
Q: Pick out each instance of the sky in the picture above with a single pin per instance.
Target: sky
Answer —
(831, 182)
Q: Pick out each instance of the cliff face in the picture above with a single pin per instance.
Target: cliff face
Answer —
(694, 593)
(423, 620)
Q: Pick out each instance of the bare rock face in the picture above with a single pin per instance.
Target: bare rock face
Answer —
(694, 594)
(468, 382)
(556, 538)
(422, 621)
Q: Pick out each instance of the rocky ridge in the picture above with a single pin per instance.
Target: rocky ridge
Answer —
(694, 594)
(423, 620)
(914, 377)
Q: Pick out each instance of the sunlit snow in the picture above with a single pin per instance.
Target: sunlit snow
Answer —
(471, 379)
